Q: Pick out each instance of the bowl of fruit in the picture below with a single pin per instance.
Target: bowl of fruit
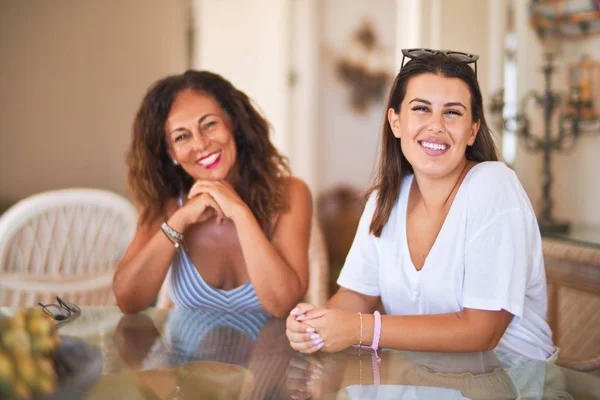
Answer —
(37, 363)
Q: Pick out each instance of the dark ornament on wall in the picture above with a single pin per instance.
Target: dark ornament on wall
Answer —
(364, 67)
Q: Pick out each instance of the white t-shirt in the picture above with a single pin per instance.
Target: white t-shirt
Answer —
(487, 256)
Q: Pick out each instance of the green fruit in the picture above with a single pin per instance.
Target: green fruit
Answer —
(34, 312)
(40, 324)
(45, 367)
(42, 345)
(25, 341)
(17, 321)
(7, 372)
(16, 341)
(45, 386)
(21, 391)
(26, 369)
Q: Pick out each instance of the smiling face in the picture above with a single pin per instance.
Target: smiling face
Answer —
(435, 124)
(199, 136)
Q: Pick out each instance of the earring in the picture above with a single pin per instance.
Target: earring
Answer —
(175, 163)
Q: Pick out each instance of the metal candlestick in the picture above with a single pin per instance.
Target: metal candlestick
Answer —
(570, 126)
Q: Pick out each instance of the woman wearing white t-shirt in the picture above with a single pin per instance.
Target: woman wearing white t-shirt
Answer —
(448, 240)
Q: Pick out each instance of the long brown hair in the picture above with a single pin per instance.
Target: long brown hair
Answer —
(152, 175)
(393, 165)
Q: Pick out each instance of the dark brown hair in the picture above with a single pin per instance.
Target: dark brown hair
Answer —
(393, 165)
(152, 175)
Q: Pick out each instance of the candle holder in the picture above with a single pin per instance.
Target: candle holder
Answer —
(583, 82)
(570, 116)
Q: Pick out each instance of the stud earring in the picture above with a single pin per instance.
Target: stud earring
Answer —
(175, 163)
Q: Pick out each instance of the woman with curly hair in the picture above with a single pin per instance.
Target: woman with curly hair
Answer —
(221, 218)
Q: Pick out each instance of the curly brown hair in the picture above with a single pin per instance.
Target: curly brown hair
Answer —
(393, 165)
(153, 177)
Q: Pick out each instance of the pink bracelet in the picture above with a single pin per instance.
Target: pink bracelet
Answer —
(375, 364)
(376, 333)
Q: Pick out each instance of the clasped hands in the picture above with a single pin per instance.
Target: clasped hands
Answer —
(208, 199)
(310, 329)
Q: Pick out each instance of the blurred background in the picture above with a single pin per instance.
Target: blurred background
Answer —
(73, 72)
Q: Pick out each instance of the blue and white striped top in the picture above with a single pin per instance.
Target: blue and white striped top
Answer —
(189, 290)
(212, 335)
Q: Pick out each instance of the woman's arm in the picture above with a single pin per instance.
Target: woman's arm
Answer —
(349, 300)
(142, 271)
(465, 331)
(278, 268)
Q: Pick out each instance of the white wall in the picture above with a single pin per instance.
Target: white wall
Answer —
(577, 173)
(73, 73)
(248, 42)
(464, 25)
(410, 29)
(349, 142)
(576, 189)
(304, 105)
(72, 76)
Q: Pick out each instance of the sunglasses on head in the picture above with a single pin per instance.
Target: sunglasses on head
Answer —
(466, 58)
(61, 312)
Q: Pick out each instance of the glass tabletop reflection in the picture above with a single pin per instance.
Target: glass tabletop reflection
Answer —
(210, 354)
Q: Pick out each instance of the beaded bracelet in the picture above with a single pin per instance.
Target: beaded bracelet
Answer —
(174, 236)
(376, 332)
(361, 330)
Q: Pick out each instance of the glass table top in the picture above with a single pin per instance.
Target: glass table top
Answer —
(208, 354)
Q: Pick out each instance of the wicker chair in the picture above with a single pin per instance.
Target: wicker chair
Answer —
(318, 267)
(66, 243)
(339, 209)
(318, 286)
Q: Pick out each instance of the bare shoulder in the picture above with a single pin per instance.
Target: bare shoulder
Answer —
(299, 200)
(295, 221)
(297, 192)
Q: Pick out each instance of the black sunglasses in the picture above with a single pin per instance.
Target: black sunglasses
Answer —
(62, 312)
(466, 58)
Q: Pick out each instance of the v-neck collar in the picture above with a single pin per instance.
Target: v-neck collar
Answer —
(404, 225)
